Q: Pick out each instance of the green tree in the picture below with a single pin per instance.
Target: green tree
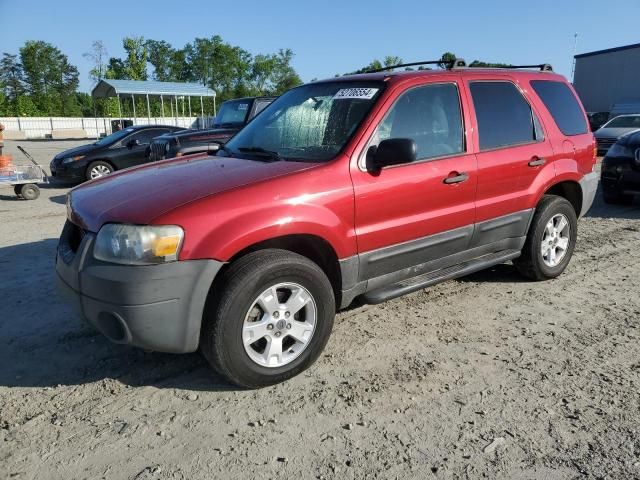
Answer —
(447, 59)
(135, 65)
(50, 79)
(12, 83)
(161, 57)
(284, 76)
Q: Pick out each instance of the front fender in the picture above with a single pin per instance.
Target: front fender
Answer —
(318, 203)
(235, 234)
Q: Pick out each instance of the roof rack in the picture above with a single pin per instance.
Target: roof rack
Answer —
(544, 67)
(451, 64)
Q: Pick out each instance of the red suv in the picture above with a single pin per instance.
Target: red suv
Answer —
(370, 186)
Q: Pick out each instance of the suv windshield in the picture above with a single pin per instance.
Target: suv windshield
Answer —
(632, 121)
(232, 113)
(312, 122)
(114, 137)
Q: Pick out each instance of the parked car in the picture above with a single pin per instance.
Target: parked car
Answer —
(233, 115)
(122, 149)
(620, 174)
(597, 119)
(367, 186)
(609, 133)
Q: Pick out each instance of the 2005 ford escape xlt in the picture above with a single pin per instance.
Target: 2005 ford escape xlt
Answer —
(370, 186)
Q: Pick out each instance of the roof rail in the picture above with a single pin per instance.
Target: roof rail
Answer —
(455, 63)
(544, 67)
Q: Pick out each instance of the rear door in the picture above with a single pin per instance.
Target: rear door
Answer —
(514, 158)
(410, 214)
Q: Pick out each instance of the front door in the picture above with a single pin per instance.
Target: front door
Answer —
(413, 213)
(133, 149)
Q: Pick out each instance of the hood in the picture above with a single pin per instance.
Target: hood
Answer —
(612, 132)
(204, 134)
(141, 194)
(631, 138)
(72, 152)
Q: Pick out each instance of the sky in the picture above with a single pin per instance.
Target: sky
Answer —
(330, 37)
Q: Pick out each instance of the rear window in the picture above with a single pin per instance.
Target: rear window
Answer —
(504, 116)
(563, 106)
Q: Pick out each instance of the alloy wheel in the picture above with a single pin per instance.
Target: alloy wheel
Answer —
(279, 325)
(555, 240)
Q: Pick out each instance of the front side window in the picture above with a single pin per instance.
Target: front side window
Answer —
(562, 105)
(504, 116)
(309, 123)
(430, 116)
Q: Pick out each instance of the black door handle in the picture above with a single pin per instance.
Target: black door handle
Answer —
(537, 162)
(459, 178)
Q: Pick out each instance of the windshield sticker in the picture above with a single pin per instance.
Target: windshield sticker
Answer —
(243, 106)
(361, 93)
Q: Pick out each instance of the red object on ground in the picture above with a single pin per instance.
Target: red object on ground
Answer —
(5, 161)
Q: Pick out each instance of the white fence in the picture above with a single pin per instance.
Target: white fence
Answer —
(43, 127)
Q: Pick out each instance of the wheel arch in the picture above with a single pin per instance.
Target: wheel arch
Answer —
(313, 247)
(571, 191)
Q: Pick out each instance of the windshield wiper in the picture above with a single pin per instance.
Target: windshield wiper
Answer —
(273, 155)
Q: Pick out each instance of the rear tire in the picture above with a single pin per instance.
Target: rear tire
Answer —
(551, 239)
(29, 191)
(615, 198)
(273, 353)
(98, 169)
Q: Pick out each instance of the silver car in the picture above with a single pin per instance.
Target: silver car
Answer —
(607, 135)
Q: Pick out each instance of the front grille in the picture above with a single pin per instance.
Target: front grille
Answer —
(76, 234)
(70, 241)
(158, 150)
(605, 143)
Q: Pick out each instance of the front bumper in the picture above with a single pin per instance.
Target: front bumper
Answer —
(589, 186)
(156, 307)
(621, 175)
(67, 172)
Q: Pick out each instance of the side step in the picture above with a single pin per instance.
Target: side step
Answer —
(414, 284)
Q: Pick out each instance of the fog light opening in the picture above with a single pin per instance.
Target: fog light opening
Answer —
(113, 327)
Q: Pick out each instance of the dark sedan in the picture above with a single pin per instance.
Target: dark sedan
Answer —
(620, 176)
(122, 149)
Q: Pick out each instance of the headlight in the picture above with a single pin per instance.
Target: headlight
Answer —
(137, 244)
(72, 159)
(618, 150)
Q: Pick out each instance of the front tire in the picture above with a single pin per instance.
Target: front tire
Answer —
(551, 239)
(270, 321)
(98, 169)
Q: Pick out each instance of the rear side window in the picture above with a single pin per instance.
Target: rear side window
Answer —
(563, 106)
(504, 116)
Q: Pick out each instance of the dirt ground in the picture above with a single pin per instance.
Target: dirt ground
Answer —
(489, 376)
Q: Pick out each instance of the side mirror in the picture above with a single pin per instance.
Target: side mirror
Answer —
(393, 151)
(134, 142)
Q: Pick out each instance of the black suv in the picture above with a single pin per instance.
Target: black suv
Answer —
(621, 170)
(122, 149)
(233, 115)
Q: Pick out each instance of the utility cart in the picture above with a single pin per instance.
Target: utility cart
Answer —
(24, 178)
